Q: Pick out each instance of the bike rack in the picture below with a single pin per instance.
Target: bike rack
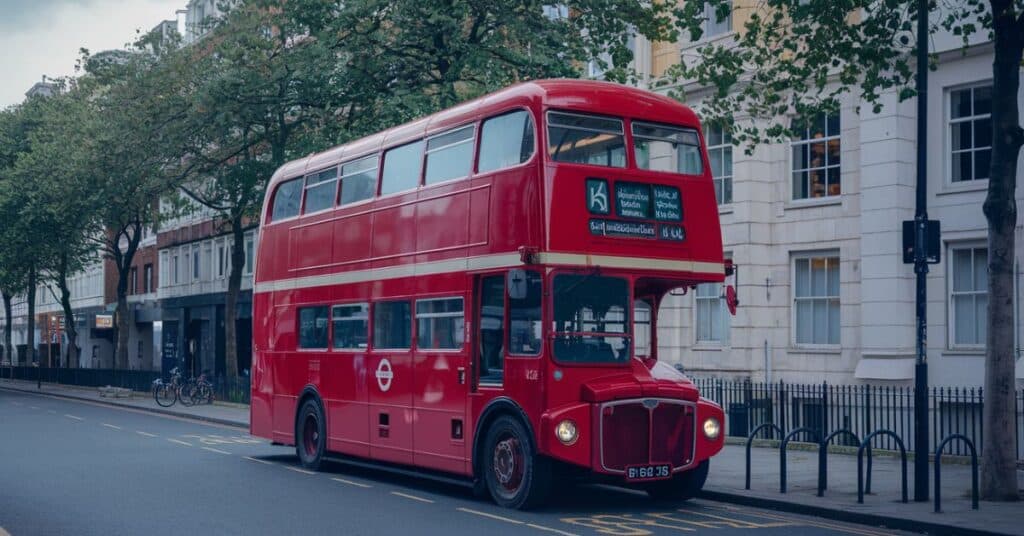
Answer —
(866, 444)
(782, 454)
(974, 470)
(823, 459)
(750, 440)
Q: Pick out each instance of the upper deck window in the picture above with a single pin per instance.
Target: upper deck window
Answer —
(586, 139)
(358, 180)
(450, 155)
(320, 189)
(665, 148)
(402, 166)
(505, 141)
(287, 200)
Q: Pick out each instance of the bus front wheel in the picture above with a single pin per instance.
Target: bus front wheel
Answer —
(516, 475)
(682, 487)
(310, 435)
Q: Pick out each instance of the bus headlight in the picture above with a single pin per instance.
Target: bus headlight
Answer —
(566, 432)
(712, 428)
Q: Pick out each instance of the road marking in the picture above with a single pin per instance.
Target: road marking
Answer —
(351, 483)
(218, 451)
(180, 442)
(299, 470)
(265, 462)
(34, 407)
(147, 434)
(863, 531)
(492, 516)
(549, 529)
(51, 411)
(18, 404)
(73, 417)
(111, 426)
(413, 497)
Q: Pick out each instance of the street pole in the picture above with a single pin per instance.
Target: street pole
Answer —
(921, 263)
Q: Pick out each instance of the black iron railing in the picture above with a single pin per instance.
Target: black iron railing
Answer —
(227, 389)
(861, 409)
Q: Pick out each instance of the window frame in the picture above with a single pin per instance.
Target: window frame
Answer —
(382, 163)
(951, 343)
(701, 144)
(298, 327)
(472, 141)
(416, 317)
(377, 169)
(723, 312)
(480, 138)
(373, 325)
(369, 326)
(726, 144)
(549, 333)
(306, 186)
(708, 22)
(808, 141)
(277, 191)
(810, 255)
(626, 133)
(948, 135)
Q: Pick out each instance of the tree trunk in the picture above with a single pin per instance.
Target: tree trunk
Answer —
(123, 262)
(998, 463)
(72, 351)
(231, 300)
(9, 353)
(30, 291)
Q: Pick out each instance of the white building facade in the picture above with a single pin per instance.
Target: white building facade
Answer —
(815, 226)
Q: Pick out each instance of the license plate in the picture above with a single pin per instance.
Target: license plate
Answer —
(655, 471)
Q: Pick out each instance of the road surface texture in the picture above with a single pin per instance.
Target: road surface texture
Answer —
(70, 467)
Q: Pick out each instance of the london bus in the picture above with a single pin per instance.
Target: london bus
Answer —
(475, 294)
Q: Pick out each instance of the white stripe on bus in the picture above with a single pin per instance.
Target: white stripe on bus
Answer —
(487, 262)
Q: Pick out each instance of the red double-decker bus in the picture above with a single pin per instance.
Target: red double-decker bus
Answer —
(476, 293)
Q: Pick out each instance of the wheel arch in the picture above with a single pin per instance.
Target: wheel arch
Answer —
(496, 408)
(309, 392)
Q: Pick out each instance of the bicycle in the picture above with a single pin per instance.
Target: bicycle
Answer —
(166, 393)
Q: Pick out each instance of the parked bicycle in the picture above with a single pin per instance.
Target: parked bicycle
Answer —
(196, 391)
(166, 393)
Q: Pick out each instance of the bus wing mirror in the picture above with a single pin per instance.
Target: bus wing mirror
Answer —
(517, 284)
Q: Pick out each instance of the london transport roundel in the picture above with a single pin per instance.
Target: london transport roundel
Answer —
(384, 375)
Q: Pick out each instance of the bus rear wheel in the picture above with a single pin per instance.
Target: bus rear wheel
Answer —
(310, 435)
(515, 474)
(682, 487)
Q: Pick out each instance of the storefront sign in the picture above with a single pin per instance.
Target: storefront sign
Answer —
(104, 321)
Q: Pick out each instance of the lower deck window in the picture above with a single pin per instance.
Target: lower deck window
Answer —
(313, 327)
(440, 324)
(350, 326)
(392, 325)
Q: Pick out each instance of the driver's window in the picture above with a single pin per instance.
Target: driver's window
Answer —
(642, 328)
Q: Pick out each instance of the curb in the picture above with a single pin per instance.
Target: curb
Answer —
(875, 520)
(156, 410)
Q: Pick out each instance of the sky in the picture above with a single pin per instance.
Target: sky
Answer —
(43, 37)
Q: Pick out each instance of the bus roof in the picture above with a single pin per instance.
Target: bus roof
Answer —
(564, 93)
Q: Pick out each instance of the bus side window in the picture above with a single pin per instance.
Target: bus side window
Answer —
(524, 329)
(402, 166)
(505, 141)
(440, 324)
(287, 200)
(350, 326)
(313, 327)
(492, 329)
(392, 325)
(358, 180)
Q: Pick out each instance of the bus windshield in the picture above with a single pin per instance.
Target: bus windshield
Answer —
(591, 323)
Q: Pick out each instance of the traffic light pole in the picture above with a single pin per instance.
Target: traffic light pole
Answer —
(921, 262)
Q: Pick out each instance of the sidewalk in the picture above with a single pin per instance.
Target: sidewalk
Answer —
(726, 479)
(883, 507)
(219, 412)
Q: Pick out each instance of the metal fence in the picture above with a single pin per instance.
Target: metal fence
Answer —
(231, 390)
(859, 408)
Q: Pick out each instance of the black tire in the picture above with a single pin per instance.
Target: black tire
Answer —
(682, 487)
(165, 395)
(311, 435)
(515, 474)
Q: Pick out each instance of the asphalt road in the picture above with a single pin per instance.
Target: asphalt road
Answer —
(69, 467)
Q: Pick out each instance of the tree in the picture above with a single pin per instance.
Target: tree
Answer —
(136, 101)
(795, 58)
(51, 181)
